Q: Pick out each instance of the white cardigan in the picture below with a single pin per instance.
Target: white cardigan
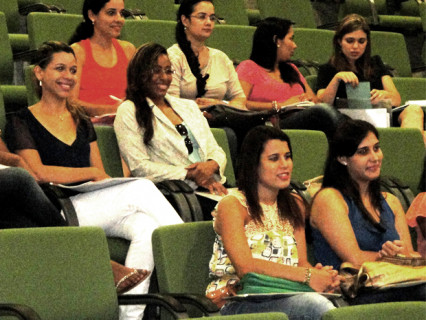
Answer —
(167, 156)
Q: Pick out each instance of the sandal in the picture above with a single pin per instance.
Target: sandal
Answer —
(122, 288)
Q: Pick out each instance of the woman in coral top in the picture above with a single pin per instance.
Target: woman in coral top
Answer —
(101, 58)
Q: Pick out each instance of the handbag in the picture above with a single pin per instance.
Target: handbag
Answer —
(382, 274)
(218, 296)
(260, 283)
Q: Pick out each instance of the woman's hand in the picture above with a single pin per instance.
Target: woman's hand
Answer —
(325, 279)
(204, 102)
(378, 95)
(347, 77)
(392, 248)
(203, 175)
(99, 174)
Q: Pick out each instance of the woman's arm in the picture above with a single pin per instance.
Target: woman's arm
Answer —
(91, 109)
(329, 214)
(405, 244)
(389, 92)
(13, 160)
(230, 221)
(328, 94)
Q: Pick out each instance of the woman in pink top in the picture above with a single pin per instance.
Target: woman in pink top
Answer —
(101, 59)
(270, 81)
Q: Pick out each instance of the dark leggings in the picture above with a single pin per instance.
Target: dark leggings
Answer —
(319, 117)
(23, 203)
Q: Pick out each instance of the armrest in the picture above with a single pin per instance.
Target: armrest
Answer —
(19, 311)
(176, 309)
(201, 302)
(60, 198)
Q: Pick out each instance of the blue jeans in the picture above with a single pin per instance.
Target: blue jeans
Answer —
(306, 306)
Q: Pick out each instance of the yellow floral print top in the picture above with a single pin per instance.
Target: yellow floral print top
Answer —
(272, 241)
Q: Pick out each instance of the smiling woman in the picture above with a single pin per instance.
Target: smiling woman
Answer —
(102, 59)
(58, 142)
(162, 137)
(351, 219)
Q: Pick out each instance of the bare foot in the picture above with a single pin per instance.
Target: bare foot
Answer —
(127, 278)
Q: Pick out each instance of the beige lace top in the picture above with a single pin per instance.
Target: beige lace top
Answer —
(272, 241)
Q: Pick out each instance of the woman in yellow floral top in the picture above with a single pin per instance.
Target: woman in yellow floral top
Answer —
(260, 228)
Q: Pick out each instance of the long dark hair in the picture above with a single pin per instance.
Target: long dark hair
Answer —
(186, 8)
(264, 49)
(344, 143)
(85, 29)
(138, 76)
(351, 23)
(42, 58)
(248, 177)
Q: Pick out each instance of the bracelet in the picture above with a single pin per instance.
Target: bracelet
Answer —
(308, 274)
(275, 106)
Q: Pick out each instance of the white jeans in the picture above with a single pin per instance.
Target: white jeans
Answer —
(132, 210)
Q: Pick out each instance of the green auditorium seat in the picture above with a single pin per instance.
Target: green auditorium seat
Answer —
(404, 151)
(61, 273)
(310, 149)
(18, 40)
(223, 38)
(51, 26)
(222, 140)
(299, 11)
(232, 12)
(392, 49)
(410, 88)
(306, 39)
(154, 9)
(6, 56)
(409, 310)
(182, 254)
(110, 153)
(139, 32)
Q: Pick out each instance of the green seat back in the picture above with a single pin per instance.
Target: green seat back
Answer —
(15, 97)
(312, 81)
(223, 38)
(110, 153)
(310, 149)
(403, 150)
(409, 310)
(361, 7)
(422, 11)
(139, 32)
(222, 140)
(154, 9)
(307, 39)
(410, 88)
(233, 12)
(410, 8)
(10, 9)
(2, 114)
(62, 273)
(51, 26)
(182, 254)
(299, 11)
(390, 46)
(32, 95)
(6, 56)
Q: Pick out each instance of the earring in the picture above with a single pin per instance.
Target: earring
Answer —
(93, 22)
(184, 28)
(278, 46)
(40, 83)
(344, 163)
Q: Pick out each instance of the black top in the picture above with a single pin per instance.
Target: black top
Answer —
(24, 131)
(326, 73)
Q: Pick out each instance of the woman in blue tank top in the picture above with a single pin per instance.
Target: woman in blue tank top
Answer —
(351, 219)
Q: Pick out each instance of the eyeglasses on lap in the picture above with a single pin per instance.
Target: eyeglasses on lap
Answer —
(184, 133)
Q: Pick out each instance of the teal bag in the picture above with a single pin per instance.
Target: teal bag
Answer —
(260, 283)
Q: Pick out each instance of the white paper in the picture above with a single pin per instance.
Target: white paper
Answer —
(378, 117)
(95, 185)
(212, 196)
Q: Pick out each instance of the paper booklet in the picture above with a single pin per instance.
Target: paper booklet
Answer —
(212, 196)
(260, 296)
(94, 185)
